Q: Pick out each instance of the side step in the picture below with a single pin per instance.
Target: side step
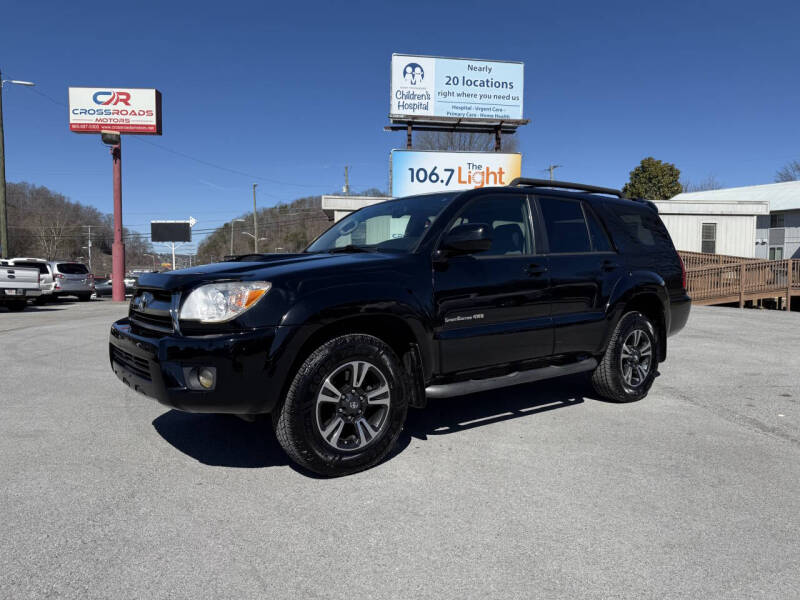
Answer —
(472, 386)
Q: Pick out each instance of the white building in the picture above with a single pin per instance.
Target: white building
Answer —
(712, 222)
(337, 207)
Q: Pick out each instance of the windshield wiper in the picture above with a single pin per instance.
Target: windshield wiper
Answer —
(348, 249)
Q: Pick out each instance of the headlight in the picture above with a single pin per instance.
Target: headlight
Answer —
(220, 302)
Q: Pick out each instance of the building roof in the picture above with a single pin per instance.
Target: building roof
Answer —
(781, 196)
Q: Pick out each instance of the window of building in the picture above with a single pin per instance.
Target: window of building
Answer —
(709, 238)
(776, 253)
(776, 220)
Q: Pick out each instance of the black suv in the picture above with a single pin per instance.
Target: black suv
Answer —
(410, 299)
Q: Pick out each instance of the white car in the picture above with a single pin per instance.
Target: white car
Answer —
(46, 280)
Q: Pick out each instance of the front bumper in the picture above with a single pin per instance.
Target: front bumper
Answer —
(249, 378)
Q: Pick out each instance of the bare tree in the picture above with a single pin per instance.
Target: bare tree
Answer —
(788, 172)
(456, 141)
(709, 183)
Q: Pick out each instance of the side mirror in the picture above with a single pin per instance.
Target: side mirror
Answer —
(468, 239)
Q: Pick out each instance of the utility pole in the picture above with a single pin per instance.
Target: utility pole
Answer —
(552, 168)
(255, 221)
(3, 211)
(346, 188)
(89, 246)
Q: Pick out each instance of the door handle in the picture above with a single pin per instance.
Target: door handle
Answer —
(535, 270)
(609, 265)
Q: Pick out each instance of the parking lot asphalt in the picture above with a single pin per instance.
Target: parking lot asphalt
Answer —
(538, 491)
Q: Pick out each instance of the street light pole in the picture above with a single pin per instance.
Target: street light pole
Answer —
(3, 211)
(255, 221)
(232, 223)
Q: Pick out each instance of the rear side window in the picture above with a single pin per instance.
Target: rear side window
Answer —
(600, 241)
(42, 267)
(565, 225)
(72, 268)
(643, 226)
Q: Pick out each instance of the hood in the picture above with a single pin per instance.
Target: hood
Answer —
(267, 268)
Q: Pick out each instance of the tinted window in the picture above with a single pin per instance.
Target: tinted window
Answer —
(32, 265)
(566, 228)
(643, 226)
(600, 241)
(72, 268)
(508, 217)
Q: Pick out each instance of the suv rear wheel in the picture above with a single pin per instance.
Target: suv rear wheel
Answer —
(630, 363)
(345, 407)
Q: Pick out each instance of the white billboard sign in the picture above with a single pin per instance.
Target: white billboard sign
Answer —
(420, 172)
(455, 88)
(124, 110)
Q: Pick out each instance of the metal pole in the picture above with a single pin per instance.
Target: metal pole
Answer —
(118, 249)
(173, 256)
(89, 246)
(409, 129)
(3, 212)
(255, 222)
(232, 222)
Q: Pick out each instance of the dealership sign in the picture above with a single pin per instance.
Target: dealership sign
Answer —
(122, 110)
(455, 88)
(420, 172)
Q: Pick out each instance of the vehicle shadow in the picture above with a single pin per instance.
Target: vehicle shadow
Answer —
(452, 415)
(226, 441)
(221, 440)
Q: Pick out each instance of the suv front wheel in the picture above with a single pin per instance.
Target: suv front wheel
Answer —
(630, 363)
(345, 407)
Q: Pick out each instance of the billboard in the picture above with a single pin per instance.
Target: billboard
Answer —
(421, 172)
(455, 88)
(170, 231)
(124, 110)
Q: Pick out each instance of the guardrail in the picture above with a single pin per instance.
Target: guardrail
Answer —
(699, 260)
(749, 279)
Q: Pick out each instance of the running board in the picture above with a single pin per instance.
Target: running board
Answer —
(472, 386)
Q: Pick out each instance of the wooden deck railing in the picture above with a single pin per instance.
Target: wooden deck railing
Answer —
(750, 279)
(699, 260)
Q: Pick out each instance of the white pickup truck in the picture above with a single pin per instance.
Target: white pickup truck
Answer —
(17, 284)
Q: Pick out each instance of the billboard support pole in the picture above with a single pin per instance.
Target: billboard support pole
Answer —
(118, 249)
(408, 136)
(497, 140)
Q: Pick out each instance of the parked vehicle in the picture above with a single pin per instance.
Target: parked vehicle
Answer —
(421, 297)
(72, 279)
(46, 281)
(17, 286)
(102, 286)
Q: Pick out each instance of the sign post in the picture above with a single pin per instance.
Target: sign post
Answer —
(111, 112)
(118, 247)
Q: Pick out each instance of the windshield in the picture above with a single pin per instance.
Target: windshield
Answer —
(391, 226)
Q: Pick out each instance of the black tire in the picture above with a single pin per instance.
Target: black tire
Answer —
(84, 297)
(42, 300)
(17, 306)
(614, 378)
(296, 420)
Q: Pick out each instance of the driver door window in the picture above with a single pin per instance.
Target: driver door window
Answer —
(508, 217)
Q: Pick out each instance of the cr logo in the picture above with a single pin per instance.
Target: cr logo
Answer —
(114, 98)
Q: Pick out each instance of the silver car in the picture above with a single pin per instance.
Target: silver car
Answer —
(46, 281)
(72, 279)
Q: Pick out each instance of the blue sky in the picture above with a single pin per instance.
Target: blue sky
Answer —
(291, 92)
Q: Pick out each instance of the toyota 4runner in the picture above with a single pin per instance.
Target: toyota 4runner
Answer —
(412, 299)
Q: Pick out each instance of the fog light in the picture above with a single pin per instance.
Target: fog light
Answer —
(206, 377)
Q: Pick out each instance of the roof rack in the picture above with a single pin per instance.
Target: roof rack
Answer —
(592, 189)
